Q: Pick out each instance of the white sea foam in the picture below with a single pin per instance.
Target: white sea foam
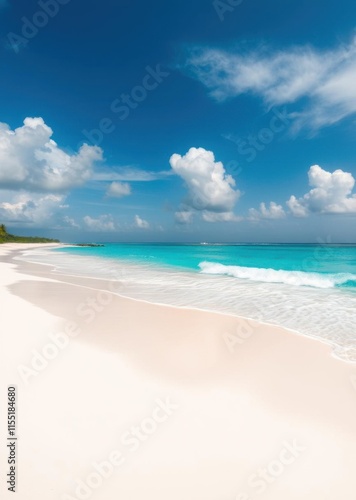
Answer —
(296, 278)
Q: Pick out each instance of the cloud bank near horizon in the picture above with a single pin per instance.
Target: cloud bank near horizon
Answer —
(36, 177)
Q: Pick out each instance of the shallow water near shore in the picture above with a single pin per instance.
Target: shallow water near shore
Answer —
(309, 289)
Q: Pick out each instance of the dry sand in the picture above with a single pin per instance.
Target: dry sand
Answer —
(141, 401)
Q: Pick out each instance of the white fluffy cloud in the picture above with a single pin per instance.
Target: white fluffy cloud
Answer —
(118, 190)
(141, 223)
(104, 223)
(35, 174)
(320, 83)
(274, 211)
(210, 189)
(31, 160)
(298, 208)
(331, 193)
(33, 209)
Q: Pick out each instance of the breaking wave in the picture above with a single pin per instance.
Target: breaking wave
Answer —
(296, 278)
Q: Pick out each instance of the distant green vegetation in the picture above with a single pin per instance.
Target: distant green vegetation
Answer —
(5, 237)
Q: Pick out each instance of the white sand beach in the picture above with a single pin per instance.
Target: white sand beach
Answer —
(122, 399)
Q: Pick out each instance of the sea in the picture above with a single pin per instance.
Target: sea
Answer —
(309, 289)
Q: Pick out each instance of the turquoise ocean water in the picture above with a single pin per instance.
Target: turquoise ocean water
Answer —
(310, 289)
(310, 265)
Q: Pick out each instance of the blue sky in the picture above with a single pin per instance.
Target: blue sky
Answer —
(179, 121)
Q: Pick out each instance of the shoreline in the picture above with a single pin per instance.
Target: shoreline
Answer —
(241, 397)
(57, 272)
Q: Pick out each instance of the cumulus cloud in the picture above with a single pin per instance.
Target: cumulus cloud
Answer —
(104, 223)
(31, 160)
(331, 193)
(210, 189)
(118, 190)
(141, 223)
(274, 211)
(35, 209)
(319, 83)
(297, 208)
